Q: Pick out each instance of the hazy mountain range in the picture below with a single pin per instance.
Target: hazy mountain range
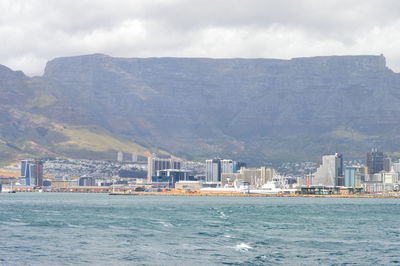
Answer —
(247, 109)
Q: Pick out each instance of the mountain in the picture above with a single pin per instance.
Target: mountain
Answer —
(248, 109)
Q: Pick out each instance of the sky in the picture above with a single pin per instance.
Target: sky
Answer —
(33, 32)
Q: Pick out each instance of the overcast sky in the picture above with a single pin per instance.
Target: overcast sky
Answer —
(35, 31)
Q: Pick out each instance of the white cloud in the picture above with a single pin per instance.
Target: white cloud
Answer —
(34, 31)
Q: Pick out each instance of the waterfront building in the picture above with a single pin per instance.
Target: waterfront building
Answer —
(188, 185)
(172, 176)
(254, 177)
(330, 172)
(32, 172)
(375, 161)
(154, 164)
(87, 181)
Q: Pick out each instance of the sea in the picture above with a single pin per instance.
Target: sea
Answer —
(99, 229)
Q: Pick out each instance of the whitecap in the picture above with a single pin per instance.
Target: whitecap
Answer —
(243, 247)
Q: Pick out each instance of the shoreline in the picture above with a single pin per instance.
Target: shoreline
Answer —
(217, 194)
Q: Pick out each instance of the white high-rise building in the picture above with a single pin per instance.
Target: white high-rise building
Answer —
(330, 172)
(227, 166)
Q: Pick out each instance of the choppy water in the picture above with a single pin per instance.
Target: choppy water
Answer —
(98, 229)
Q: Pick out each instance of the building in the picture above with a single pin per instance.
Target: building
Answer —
(227, 166)
(171, 176)
(389, 177)
(188, 185)
(387, 164)
(216, 167)
(353, 176)
(375, 161)
(32, 172)
(120, 156)
(87, 181)
(254, 177)
(154, 164)
(330, 172)
(237, 166)
(213, 170)
(396, 167)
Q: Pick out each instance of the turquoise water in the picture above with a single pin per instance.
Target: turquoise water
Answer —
(98, 229)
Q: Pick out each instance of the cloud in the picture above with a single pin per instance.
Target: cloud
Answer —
(35, 31)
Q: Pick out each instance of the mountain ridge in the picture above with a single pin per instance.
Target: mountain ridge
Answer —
(250, 109)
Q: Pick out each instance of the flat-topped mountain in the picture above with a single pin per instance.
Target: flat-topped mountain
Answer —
(249, 109)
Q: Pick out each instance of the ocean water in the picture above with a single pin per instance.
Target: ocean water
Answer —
(98, 229)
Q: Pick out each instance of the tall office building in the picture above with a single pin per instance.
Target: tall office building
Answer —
(216, 167)
(32, 172)
(237, 166)
(375, 161)
(213, 170)
(353, 176)
(154, 164)
(330, 172)
(227, 166)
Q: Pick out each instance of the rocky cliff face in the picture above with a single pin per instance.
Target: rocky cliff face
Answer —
(249, 109)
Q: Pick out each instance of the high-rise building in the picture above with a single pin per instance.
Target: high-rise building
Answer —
(32, 172)
(216, 167)
(237, 166)
(227, 166)
(213, 170)
(154, 164)
(330, 172)
(387, 164)
(353, 176)
(375, 161)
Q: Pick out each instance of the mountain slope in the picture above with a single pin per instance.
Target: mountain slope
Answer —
(26, 129)
(249, 109)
